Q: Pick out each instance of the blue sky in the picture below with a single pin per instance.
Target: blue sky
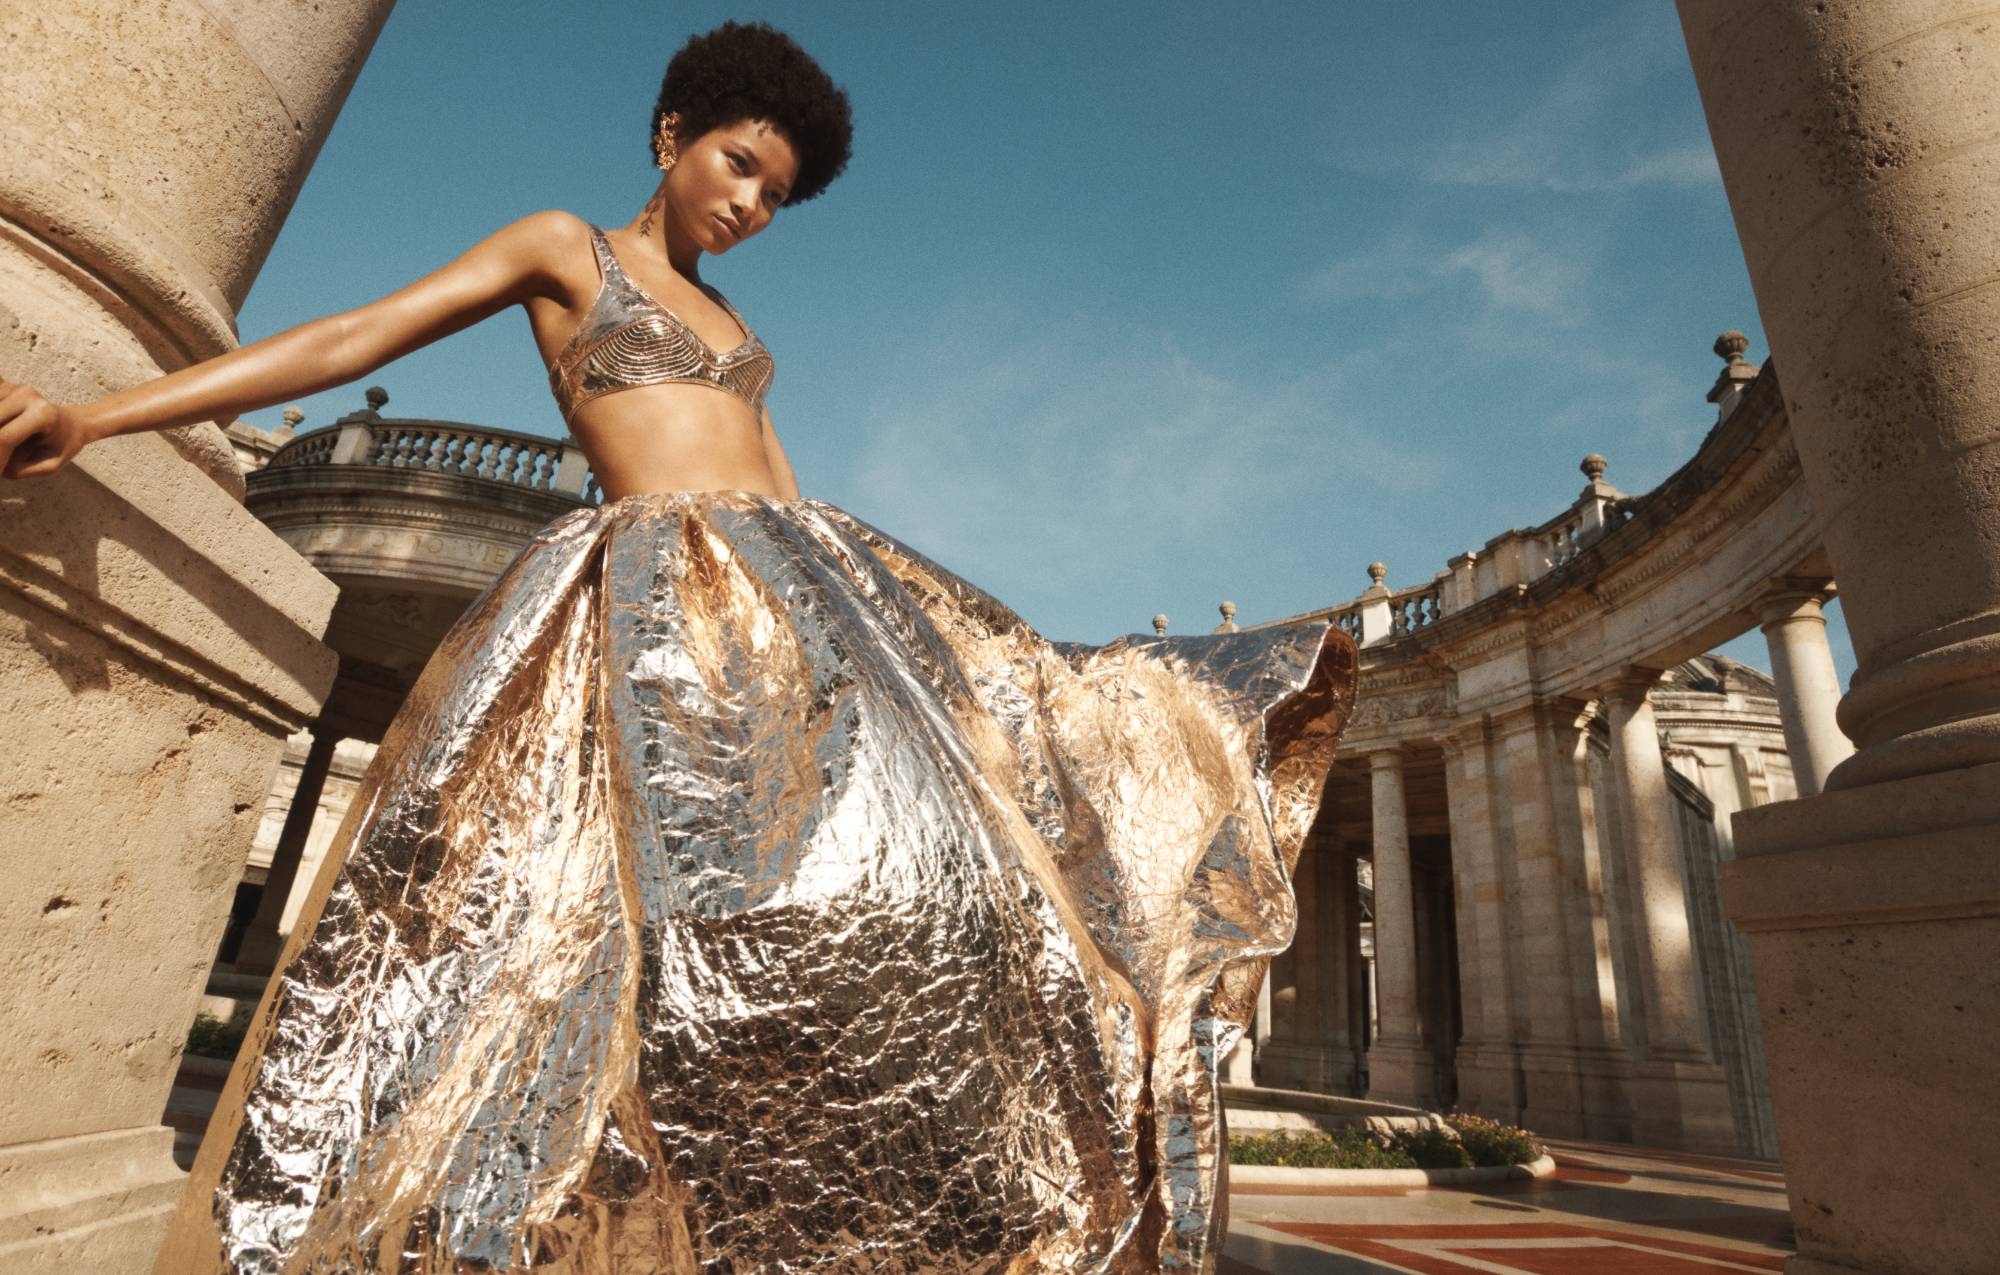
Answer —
(1116, 314)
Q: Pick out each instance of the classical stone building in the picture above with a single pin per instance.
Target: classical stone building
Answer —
(1511, 900)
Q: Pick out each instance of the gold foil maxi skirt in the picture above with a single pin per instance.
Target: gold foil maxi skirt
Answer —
(739, 891)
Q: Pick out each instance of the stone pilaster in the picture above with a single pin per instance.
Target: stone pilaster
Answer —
(1808, 687)
(1309, 1047)
(1489, 1075)
(1679, 1096)
(1399, 1062)
(1543, 958)
(1858, 145)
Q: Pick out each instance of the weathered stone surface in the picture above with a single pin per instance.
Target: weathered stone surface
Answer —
(156, 642)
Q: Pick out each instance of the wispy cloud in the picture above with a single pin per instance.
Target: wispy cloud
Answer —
(1517, 273)
(1560, 143)
(1513, 271)
(1681, 167)
(1134, 462)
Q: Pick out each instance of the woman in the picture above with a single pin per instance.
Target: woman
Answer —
(738, 890)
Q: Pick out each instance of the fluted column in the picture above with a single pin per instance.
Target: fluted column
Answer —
(1808, 687)
(1860, 147)
(1399, 1068)
(1671, 1015)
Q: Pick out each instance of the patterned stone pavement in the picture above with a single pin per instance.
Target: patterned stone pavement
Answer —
(1607, 1209)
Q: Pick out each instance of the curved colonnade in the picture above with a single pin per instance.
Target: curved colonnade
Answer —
(1544, 934)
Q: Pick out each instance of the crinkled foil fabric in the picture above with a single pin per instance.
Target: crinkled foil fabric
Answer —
(740, 891)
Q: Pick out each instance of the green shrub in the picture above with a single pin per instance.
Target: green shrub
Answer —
(1346, 1149)
(1468, 1142)
(1434, 1149)
(212, 1038)
(1491, 1143)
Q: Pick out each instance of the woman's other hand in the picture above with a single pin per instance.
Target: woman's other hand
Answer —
(36, 437)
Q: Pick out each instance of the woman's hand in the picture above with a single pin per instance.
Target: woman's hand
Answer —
(515, 264)
(36, 437)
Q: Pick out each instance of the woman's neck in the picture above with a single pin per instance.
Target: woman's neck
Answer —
(656, 227)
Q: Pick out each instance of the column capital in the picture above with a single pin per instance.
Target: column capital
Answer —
(1467, 734)
(1630, 685)
(1793, 598)
(1392, 757)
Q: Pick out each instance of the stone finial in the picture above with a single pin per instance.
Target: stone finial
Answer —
(1377, 573)
(377, 397)
(1737, 373)
(1160, 624)
(294, 417)
(1593, 467)
(1228, 624)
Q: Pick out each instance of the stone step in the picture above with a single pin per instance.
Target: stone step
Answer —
(236, 984)
(187, 1115)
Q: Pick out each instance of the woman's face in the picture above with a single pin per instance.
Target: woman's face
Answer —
(729, 181)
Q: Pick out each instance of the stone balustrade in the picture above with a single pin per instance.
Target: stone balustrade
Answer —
(446, 447)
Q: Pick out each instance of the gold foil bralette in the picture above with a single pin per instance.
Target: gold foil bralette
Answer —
(629, 339)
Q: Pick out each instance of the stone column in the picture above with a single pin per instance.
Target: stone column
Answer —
(262, 941)
(1399, 1066)
(1489, 1075)
(157, 644)
(1680, 1098)
(1309, 1047)
(1808, 688)
(1860, 147)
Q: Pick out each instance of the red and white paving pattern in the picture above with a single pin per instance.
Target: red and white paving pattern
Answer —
(1607, 1210)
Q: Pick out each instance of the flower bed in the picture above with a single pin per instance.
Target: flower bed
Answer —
(1470, 1142)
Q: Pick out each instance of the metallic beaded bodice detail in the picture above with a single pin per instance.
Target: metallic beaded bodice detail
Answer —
(628, 339)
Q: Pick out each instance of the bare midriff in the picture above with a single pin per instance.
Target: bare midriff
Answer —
(667, 438)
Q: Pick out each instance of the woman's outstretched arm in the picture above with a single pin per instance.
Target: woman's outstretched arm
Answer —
(506, 268)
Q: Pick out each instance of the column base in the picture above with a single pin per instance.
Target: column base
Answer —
(1579, 1091)
(1313, 1068)
(1682, 1105)
(1402, 1072)
(1490, 1083)
(96, 1202)
(1873, 915)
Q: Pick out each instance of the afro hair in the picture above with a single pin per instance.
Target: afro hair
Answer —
(752, 71)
